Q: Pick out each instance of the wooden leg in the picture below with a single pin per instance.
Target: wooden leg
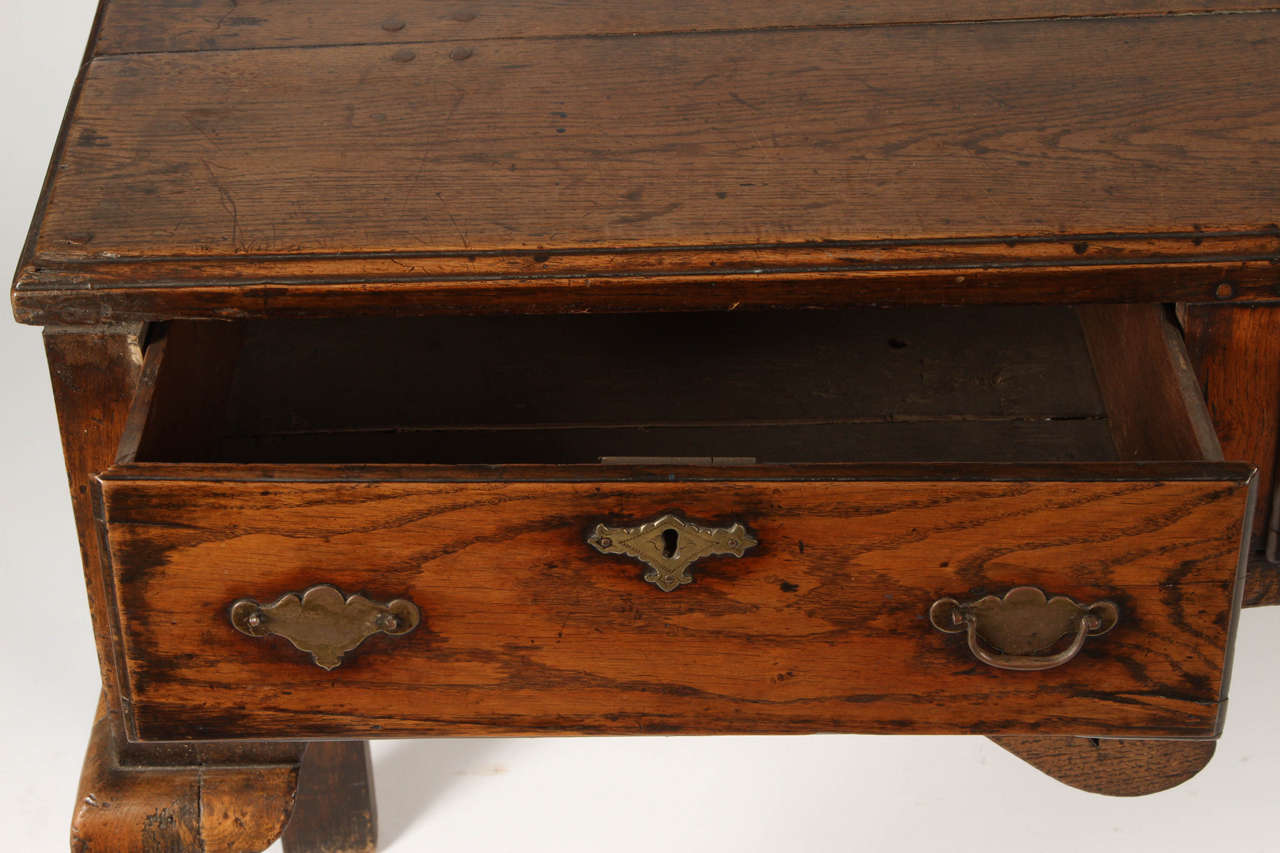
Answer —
(175, 798)
(1119, 768)
(1262, 584)
(137, 798)
(335, 810)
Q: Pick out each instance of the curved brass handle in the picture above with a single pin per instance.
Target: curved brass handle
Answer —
(668, 545)
(323, 621)
(1023, 622)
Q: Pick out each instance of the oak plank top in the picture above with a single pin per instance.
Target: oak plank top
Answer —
(139, 26)
(264, 159)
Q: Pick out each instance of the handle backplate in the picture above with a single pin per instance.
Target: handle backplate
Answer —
(1019, 630)
(324, 622)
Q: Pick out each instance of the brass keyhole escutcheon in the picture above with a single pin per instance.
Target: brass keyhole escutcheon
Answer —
(669, 545)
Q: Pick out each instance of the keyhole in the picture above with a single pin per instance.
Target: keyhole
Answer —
(670, 538)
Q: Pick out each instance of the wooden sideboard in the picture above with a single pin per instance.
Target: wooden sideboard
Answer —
(643, 368)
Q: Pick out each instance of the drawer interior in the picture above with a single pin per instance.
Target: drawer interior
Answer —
(228, 489)
(978, 384)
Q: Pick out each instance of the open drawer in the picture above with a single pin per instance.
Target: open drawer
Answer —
(756, 522)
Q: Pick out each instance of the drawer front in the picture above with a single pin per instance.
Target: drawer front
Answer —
(822, 625)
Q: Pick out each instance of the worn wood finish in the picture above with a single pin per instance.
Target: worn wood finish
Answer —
(154, 807)
(760, 367)
(1236, 354)
(1153, 405)
(836, 386)
(995, 440)
(797, 167)
(95, 374)
(1155, 412)
(148, 798)
(517, 607)
(579, 157)
(923, 363)
(134, 26)
(1262, 584)
(349, 294)
(192, 372)
(335, 811)
(959, 472)
(1033, 101)
(1119, 768)
(1273, 531)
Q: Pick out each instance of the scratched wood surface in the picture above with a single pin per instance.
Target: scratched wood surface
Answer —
(1013, 161)
(760, 367)
(137, 26)
(335, 810)
(527, 629)
(183, 806)
(94, 373)
(1154, 405)
(1155, 411)
(1117, 768)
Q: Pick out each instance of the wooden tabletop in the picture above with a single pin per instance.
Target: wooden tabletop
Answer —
(303, 157)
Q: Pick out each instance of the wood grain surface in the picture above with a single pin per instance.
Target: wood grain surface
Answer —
(134, 26)
(204, 807)
(95, 374)
(978, 384)
(1262, 584)
(1155, 410)
(687, 369)
(1118, 768)
(526, 629)
(334, 811)
(1236, 353)
(1154, 405)
(1023, 161)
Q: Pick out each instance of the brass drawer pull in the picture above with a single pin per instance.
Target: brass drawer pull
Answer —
(668, 545)
(323, 622)
(1025, 621)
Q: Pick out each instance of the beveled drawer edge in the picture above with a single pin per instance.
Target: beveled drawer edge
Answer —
(124, 686)
(1237, 599)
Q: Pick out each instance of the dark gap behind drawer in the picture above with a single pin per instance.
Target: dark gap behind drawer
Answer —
(948, 384)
